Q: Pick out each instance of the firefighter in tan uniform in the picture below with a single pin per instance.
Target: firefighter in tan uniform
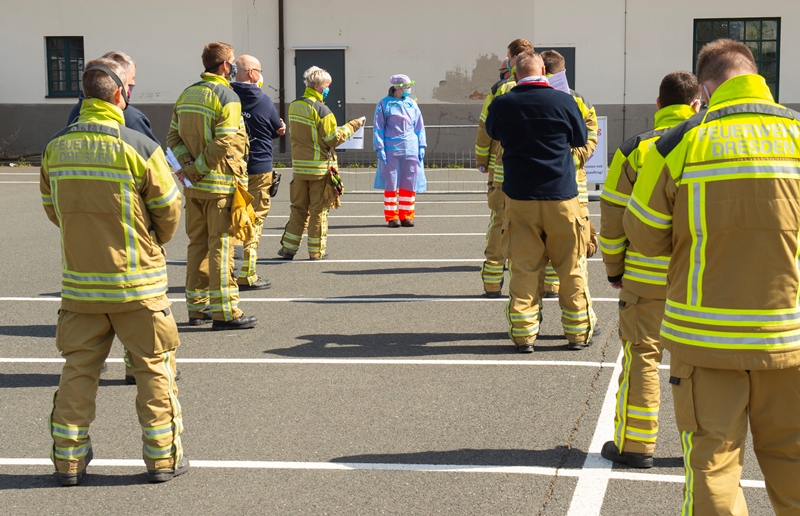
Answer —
(720, 194)
(209, 139)
(555, 66)
(643, 281)
(314, 135)
(110, 192)
(537, 126)
(489, 158)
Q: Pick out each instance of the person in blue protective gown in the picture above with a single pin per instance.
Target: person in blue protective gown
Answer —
(399, 140)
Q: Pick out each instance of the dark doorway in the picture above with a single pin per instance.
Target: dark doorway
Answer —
(569, 61)
(333, 62)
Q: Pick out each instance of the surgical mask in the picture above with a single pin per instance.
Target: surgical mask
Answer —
(233, 70)
(325, 92)
(406, 93)
(130, 90)
(260, 81)
(706, 92)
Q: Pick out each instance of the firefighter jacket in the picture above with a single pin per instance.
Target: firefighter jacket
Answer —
(314, 134)
(208, 136)
(582, 154)
(721, 194)
(488, 152)
(111, 193)
(643, 276)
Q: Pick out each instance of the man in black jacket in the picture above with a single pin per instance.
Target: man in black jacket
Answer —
(537, 126)
(134, 118)
(263, 125)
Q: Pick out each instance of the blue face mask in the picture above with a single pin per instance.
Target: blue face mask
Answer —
(406, 93)
(325, 92)
(233, 70)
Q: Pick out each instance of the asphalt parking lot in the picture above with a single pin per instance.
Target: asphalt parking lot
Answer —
(378, 381)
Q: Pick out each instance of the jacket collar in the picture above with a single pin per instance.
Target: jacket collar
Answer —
(212, 77)
(97, 110)
(750, 86)
(671, 116)
(312, 94)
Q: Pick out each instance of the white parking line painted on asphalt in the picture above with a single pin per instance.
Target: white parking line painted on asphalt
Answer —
(587, 499)
(375, 466)
(344, 299)
(338, 361)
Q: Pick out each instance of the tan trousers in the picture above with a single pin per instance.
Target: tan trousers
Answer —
(307, 195)
(639, 394)
(492, 270)
(209, 259)
(84, 340)
(549, 280)
(533, 231)
(712, 409)
(258, 186)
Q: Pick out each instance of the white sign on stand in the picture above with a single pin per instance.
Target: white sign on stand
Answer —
(597, 166)
(355, 142)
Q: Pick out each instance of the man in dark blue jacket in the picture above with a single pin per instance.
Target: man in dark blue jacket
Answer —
(263, 125)
(134, 119)
(537, 126)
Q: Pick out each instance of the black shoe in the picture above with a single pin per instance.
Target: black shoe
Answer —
(74, 479)
(199, 321)
(550, 295)
(524, 348)
(283, 255)
(493, 293)
(577, 346)
(394, 223)
(636, 460)
(131, 380)
(165, 475)
(243, 322)
(260, 284)
(407, 223)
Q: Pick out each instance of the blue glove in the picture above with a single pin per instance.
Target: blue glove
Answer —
(382, 155)
(421, 153)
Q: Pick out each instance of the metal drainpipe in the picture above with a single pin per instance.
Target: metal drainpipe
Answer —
(281, 75)
(625, 72)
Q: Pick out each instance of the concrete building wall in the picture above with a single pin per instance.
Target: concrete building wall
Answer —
(452, 50)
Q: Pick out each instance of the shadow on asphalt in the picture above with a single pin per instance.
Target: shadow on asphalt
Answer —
(382, 345)
(37, 481)
(407, 270)
(471, 457)
(26, 380)
(30, 330)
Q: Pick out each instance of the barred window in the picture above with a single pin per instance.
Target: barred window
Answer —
(761, 35)
(64, 66)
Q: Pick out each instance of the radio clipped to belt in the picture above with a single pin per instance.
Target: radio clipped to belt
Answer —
(276, 182)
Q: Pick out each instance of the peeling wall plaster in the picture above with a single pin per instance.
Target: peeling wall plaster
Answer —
(462, 86)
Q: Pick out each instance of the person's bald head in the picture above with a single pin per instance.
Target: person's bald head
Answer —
(248, 69)
(529, 63)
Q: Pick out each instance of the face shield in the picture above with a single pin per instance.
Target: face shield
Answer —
(407, 89)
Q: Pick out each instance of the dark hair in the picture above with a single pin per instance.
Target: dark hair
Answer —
(678, 88)
(553, 61)
(722, 59)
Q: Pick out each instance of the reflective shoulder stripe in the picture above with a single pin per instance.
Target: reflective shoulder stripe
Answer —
(93, 128)
(673, 137)
(756, 109)
(632, 143)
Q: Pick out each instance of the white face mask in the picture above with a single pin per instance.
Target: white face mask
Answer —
(708, 97)
(260, 81)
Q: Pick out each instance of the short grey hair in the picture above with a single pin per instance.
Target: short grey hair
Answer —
(315, 76)
(122, 58)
